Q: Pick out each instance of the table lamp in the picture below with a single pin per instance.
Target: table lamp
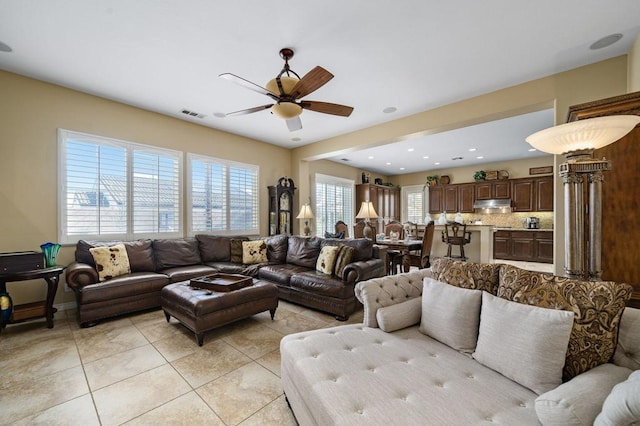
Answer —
(306, 214)
(367, 212)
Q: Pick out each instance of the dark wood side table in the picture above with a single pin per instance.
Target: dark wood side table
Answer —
(33, 310)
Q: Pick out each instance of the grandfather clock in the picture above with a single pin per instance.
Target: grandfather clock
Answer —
(281, 207)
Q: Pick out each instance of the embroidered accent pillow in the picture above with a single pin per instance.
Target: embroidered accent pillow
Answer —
(598, 307)
(327, 259)
(254, 252)
(111, 261)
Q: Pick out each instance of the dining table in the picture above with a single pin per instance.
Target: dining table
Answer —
(404, 247)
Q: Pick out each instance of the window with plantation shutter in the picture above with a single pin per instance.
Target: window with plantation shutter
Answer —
(413, 203)
(334, 202)
(112, 189)
(223, 196)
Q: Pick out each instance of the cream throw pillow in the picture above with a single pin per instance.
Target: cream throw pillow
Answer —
(524, 343)
(327, 259)
(111, 261)
(622, 406)
(450, 314)
(254, 252)
(401, 315)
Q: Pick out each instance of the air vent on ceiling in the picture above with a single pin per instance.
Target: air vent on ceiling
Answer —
(192, 113)
(456, 158)
(344, 159)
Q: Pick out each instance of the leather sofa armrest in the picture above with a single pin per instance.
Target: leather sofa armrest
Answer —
(363, 270)
(379, 252)
(389, 290)
(79, 275)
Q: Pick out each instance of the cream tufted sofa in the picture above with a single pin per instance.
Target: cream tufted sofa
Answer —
(362, 375)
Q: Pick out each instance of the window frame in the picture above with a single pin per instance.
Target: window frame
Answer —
(130, 148)
(189, 194)
(328, 179)
(404, 193)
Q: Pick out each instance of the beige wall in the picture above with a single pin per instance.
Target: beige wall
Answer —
(633, 73)
(31, 111)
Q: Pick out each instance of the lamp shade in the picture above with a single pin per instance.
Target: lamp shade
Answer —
(305, 212)
(367, 211)
(588, 134)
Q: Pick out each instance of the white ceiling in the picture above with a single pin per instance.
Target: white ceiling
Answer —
(413, 55)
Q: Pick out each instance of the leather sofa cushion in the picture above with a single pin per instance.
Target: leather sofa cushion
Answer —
(277, 247)
(139, 252)
(183, 273)
(124, 286)
(176, 252)
(363, 247)
(214, 248)
(280, 274)
(319, 283)
(303, 251)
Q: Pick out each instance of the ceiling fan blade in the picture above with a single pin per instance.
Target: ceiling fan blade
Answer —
(312, 81)
(294, 124)
(327, 108)
(249, 85)
(250, 110)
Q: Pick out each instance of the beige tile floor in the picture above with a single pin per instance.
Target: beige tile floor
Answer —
(140, 370)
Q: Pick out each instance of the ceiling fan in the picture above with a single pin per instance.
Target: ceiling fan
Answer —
(286, 90)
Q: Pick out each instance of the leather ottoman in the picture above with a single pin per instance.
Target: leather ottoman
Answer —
(202, 310)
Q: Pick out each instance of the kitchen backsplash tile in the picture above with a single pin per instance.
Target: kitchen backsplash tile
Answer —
(507, 220)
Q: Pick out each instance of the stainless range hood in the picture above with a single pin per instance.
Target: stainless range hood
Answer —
(493, 206)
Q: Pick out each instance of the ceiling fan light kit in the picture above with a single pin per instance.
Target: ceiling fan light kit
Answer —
(286, 91)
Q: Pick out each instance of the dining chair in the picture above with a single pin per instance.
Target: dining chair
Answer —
(342, 227)
(420, 258)
(358, 229)
(392, 255)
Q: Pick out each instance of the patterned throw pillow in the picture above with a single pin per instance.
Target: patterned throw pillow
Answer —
(327, 259)
(470, 275)
(254, 252)
(236, 251)
(598, 307)
(457, 274)
(345, 255)
(111, 261)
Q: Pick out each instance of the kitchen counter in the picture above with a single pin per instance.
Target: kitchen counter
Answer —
(479, 248)
(499, 228)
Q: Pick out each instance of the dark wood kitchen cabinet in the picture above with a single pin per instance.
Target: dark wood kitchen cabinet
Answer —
(528, 246)
(466, 197)
(490, 190)
(451, 198)
(532, 194)
(436, 202)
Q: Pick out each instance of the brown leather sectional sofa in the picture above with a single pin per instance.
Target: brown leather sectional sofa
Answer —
(156, 263)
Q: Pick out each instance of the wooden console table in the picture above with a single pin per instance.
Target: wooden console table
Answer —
(33, 310)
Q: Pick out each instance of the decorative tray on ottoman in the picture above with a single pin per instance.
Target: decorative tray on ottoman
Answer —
(222, 282)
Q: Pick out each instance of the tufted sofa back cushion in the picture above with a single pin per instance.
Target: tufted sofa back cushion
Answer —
(140, 253)
(171, 253)
(277, 247)
(303, 251)
(628, 350)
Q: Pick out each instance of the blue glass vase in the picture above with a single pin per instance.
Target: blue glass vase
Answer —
(50, 251)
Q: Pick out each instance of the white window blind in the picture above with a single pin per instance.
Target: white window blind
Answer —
(113, 189)
(223, 196)
(334, 202)
(413, 204)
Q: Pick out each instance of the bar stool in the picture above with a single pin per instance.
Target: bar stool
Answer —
(456, 234)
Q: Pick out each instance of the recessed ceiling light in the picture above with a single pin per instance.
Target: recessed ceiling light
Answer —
(471, 149)
(532, 149)
(5, 47)
(437, 164)
(425, 157)
(370, 157)
(388, 164)
(401, 168)
(410, 150)
(605, 41)
(480, 157)
(219, 114)
(389, 110)
(296, 139)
